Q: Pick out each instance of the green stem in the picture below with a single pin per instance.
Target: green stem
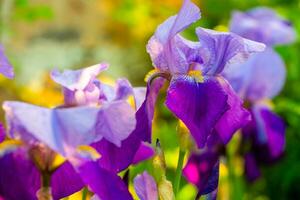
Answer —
(178, 171)
(84, 193)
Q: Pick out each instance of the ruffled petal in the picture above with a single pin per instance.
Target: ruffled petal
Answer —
(119, 158)
(105, 184)
(145, 187)
(262, 76)
(5, 67)
(202, 170)
(263, 25)
(224, 49)
(235, 117)
(198, 105)
(165, 53)
(123, 89)
(78, 79)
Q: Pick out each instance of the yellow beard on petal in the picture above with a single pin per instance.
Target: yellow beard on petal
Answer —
(197, 75)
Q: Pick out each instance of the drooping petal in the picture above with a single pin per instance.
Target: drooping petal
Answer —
(65, 181)
(198, 105)
(5, 67)
(77, 79)
(162, 47)
(145, 186)
(19, 178)
(202, 170)
(270, 131)
(263, 25)
(107, 185)
(225, 49)
(235, 117)
(262, 76)
(251, 168)
(64, 129)
(118, 158)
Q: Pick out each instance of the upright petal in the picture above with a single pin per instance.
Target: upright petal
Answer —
(145, 186)
(202, 170)
(5, 67)
(123, 90)
(235, 117)
(224, 49)
(105, 184)
(164, 52)
(119, 158)
(77, 79)
(198, 105)
(262, 76)
(263, 25)
(116, 121)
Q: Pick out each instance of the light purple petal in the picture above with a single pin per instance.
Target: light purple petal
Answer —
(139, 96)
(77, 79)
(123, 89)
(198, 105)
(162, 47)
(235, 117)
(225, 49)
(5, 67)
(262, 76)
(202, 170)
(263, 25)
(145, 186)
(64, 129)
(105, 184)
(116, 121)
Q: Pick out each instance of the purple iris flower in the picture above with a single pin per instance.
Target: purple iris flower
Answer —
(197, 94)
(62, 130)
(5, 67)
(145, 187)
(82, 87)
(261, 77)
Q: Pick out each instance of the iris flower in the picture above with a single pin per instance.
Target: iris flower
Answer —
(261, 77)
(46, 132)
(198, 95)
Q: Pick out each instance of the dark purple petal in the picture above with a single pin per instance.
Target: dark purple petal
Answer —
(235, 117)
(65, 181)
(2, 133)
(262, 76)
(5, 67)
(165, 53)
(145, 187)
(198, 105)
(270, 131)
(224, 49)
(144, 152)
(251, 168)
(19, 178)
(107, 185)
(263, 25)
(118, 158)
(202, 170)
